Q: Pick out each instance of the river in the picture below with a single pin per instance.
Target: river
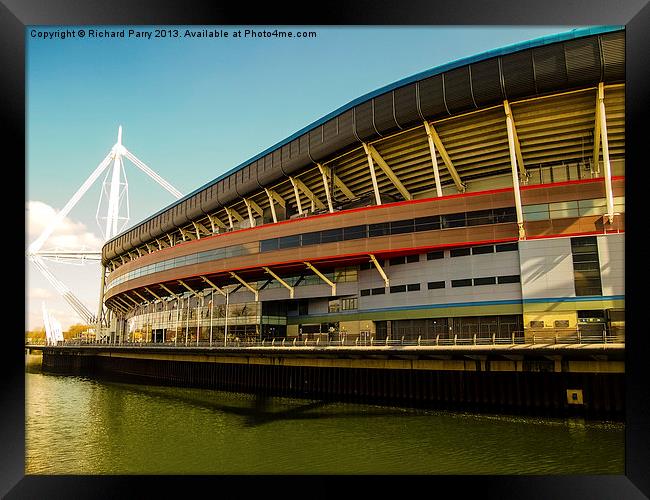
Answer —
(78, 425)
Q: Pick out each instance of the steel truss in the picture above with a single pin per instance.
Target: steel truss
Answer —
(116, 193)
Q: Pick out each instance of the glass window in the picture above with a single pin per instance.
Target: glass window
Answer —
(563, 209)
(433, 285)
(482, 250)
(508, 279)
(334, 305)
(506, 214)
(585, 242)
(349, 304)
(311, 280)
(440, 254)
(345, 274)
(233, 251)
(381, 229)
(398, 289)
(311, 238)
(459, 252)
(427, 223)
(536, 212)
(402, 226)
(619, 204)
(563, 205)
(413, 287)
(590, 314)
(291, 241)
(453, 220)
(266, 245)
(332, 235)
(480, 217)
(507, 247)
(191, 259)
(378, 291)
(206, 256)
(585, 257)
(593, 207)
(355, 232)
(412, 258)
(396, 261)
(365, 292)
(459, 283)
(584, 211)
(586, 266)
(485, 281)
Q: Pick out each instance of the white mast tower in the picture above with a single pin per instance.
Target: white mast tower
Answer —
(116, 193)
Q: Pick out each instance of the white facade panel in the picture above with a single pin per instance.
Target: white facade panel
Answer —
(447, 269)
(611, 254)
(546, 268)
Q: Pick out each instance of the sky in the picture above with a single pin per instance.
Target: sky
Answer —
(192, 109)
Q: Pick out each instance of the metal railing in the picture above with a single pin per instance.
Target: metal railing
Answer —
(553, 337)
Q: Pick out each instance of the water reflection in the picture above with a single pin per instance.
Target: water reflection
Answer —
(257, 408)
(76, 425)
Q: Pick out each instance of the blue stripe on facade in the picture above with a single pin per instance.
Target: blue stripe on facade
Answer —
(474, 304)
(574, 299)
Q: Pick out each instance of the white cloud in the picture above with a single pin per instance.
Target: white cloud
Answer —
(82, 281)
(68, 235)
(66, 317)
(37, 293)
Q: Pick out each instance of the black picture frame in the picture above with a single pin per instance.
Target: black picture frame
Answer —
(15, 15)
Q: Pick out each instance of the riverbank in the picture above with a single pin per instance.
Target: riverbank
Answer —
(80, 425)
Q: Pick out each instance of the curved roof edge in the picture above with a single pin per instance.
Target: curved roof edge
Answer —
(488, 54)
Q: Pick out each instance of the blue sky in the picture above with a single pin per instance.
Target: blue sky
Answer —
(193, 109)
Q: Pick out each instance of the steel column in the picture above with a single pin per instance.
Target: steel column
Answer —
(434, 159)
(515, 176)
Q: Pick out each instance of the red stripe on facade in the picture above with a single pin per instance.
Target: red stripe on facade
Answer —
(388, 252)
(402, 203)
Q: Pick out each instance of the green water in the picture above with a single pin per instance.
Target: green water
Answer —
(77, 425)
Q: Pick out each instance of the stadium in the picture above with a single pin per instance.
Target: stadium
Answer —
(479, 199)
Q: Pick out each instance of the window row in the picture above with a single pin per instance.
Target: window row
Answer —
(440, 254)
(298, 240)
(586, 266)
(340, 275)
(565, 209)
(445, 328)
(433, 285)
(487, 280)
(186, 260)
(343, 304)
(430, 223)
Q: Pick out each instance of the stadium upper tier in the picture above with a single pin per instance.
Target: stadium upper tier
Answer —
(378, 148)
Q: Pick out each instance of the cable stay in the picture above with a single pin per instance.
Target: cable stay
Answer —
(115, 191)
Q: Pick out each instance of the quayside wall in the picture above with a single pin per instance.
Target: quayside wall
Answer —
(586, 382)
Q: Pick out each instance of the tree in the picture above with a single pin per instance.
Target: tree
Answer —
(75, 331)
(36, 334)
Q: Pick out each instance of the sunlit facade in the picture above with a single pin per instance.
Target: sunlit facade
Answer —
(485, 197)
